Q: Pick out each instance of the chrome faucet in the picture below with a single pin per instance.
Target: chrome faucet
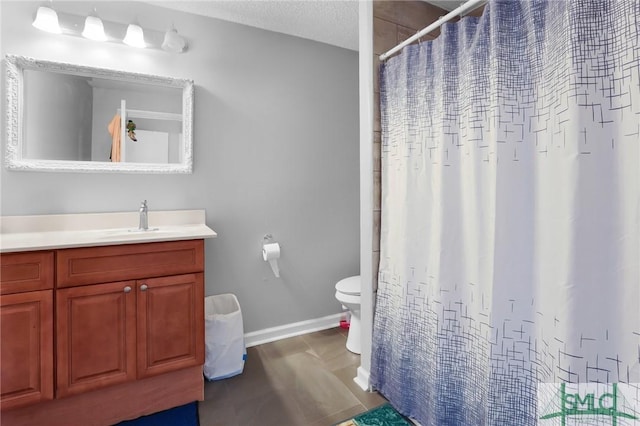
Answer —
(144, 219)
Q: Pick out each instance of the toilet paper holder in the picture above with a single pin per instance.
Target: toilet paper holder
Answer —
(267, 239)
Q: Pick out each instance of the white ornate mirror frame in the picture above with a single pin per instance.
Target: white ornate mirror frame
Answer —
(15, 67)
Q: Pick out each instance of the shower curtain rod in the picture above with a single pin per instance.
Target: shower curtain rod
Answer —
(466, 7)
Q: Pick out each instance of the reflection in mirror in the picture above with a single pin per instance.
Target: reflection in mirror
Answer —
(83, 107)
(69, 117)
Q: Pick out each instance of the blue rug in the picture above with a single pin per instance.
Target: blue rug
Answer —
(384, 415)
(185, 415)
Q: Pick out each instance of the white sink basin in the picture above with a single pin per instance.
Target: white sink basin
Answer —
(134, 233)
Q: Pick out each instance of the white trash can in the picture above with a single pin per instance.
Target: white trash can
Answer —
(225, 352)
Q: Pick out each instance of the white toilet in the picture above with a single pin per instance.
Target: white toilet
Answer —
(348, 293)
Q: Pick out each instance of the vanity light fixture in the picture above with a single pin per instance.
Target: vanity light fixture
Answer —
(47, 20)
(93, 29)
(173, 42)
(135, 36)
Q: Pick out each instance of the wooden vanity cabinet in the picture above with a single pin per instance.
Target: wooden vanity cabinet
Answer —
(26, 327)
(128, 332)
(115, 332)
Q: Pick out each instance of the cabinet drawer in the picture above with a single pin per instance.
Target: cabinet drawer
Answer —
(22, 272)
(93, 265)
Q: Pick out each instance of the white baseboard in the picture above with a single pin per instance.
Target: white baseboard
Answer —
(363, 379)
(289, 330)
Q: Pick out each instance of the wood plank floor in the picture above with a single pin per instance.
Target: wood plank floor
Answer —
(301, 381)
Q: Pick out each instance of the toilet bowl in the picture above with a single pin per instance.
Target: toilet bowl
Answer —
(348, 293)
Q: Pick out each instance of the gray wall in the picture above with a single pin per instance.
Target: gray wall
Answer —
(276, 151)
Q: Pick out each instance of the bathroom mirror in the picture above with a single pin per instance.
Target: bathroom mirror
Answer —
(64, 117)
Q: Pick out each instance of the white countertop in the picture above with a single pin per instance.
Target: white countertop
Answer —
(44, 232)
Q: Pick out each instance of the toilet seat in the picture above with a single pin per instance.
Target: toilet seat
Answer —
(349, 286)
(348, 299)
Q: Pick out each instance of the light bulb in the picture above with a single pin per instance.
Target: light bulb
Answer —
(135, 36)
(173, 42)
(47, 20)
(93, 29)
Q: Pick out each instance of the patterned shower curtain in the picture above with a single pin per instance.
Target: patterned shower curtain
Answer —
(510, 238)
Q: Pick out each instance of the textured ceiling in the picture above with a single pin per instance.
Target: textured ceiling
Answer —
(327, 21)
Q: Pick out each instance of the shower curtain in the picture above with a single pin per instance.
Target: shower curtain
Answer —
(510, 235)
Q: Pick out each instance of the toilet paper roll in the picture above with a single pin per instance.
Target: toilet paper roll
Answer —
(271, 251)
(271, 254)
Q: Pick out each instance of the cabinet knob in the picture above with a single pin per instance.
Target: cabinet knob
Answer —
(127, 289)
(143, 287)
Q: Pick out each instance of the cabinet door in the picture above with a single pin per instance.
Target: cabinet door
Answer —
(170, 323)
(26, 350)
(96, 336)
